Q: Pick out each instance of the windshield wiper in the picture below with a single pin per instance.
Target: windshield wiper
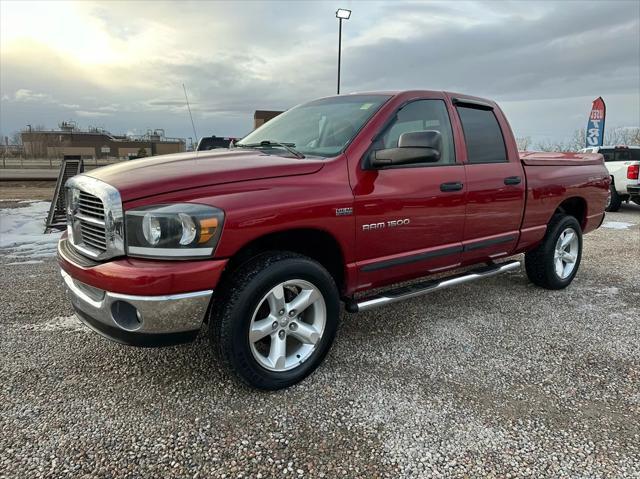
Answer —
(270, 143)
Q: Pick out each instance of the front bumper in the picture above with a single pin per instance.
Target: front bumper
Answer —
(140, 302)
(139, 320)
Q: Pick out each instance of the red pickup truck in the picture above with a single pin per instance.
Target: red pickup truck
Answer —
(325, 203)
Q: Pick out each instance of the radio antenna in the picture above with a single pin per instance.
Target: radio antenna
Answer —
(195, 135)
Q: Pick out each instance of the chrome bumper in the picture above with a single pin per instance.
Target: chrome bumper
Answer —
(139, 320)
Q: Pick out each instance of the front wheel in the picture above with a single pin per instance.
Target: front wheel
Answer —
(276, 319)
(554, 263)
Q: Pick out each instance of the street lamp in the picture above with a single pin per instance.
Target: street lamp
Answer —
(341, 14)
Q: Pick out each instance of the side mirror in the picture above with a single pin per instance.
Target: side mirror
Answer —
(413, 147)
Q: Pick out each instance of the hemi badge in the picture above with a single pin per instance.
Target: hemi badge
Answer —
(344, 211)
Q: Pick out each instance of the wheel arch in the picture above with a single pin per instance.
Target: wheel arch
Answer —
(316, 243)
(575, 206)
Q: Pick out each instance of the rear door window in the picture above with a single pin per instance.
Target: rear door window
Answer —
(482, 135)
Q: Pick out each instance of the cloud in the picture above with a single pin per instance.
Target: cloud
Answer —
(543, 61)
(111, 108)
(24, 94)
(91, 114)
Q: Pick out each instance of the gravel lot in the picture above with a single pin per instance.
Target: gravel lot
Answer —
(492, 379)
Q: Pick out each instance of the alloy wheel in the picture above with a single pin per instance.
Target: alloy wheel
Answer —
(566, 253)
(287, 325)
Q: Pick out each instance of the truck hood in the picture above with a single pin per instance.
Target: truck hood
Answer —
(140, 178)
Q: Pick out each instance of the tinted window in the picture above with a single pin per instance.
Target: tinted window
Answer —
(213, 142)
(620, 154)
(423, 115)
(482, 135)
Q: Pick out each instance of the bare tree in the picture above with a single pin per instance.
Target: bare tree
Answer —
(15, 138)
(577, 141)
(629, 136)
(523, 143)
(548, 145)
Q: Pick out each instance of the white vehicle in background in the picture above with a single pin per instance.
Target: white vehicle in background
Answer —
(623, 164)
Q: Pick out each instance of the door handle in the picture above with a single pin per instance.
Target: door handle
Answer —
(453, 186)
(512, 180)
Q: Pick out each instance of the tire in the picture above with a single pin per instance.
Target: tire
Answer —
(614, 200)
(253, 300)
(541, 263)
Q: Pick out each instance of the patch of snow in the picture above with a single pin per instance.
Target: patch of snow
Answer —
(31, 261)
(21, 232)
(617, 225)
(609, 290)
(59, 323)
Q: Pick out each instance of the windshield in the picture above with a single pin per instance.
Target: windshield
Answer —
(321, 127)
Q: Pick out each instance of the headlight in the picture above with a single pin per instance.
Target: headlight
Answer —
(72, 200)
(173, 231)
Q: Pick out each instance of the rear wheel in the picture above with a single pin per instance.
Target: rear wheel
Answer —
(614, 201)
(554, 263)
(276, 319)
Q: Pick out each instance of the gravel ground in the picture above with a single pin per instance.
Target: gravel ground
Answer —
(492, 379)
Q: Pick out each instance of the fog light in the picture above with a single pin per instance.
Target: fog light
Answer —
(126, 315)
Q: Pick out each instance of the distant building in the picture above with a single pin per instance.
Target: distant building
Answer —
(260, 117)
(96, 143)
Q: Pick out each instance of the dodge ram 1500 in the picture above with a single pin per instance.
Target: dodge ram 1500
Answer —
(325, 203)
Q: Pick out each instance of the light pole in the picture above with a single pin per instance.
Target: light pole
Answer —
(341, 14)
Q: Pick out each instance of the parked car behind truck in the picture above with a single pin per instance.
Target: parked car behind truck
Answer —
(326, 202)
(623, 164)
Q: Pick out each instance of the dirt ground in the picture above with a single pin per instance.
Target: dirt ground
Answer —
(26, 190)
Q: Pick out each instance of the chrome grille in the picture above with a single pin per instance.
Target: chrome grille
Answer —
(94, 218)
(90, 212)
(90, 205)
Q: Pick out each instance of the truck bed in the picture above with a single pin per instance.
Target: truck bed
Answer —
(541, 158)
(551, 179)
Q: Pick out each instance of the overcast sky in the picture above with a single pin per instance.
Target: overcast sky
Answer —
(121, 65)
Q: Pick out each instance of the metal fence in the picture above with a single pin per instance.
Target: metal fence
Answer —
(54, 163)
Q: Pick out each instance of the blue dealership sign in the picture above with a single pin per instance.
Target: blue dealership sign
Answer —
(595, 126)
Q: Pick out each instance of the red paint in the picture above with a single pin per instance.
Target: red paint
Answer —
(148, 278)
(262, 194)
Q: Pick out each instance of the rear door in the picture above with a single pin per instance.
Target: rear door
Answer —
(495, 184)
(410, 218)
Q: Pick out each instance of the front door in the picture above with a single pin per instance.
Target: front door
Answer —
(410, 218)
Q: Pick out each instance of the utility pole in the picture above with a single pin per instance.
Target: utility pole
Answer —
(341, 14)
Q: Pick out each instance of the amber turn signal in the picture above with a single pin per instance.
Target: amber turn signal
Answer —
(207, 229)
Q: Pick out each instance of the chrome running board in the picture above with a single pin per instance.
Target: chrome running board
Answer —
(425, 287)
